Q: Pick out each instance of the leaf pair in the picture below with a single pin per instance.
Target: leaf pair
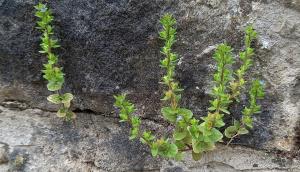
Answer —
(235, 130)
(58, 99)
(175, 115)
(164, 148)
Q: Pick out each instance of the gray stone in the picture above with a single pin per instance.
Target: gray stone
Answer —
(100, 144)
(109, 47)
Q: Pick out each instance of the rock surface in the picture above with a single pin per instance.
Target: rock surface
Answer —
(98, 143)
(112, 46)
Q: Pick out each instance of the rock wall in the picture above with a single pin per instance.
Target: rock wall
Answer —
(100, 144)
(112, 46)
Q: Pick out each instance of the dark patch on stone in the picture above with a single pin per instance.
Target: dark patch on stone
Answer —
(261, 132)
(246, 7)
(296, 149)
(280, 161)
(255, 165)
(129, 152)
(296, 91)
(14, 105)
(173, 169)
(15, 157)
(294, 4)
(4, 152)
(62, 133)
(120, 144)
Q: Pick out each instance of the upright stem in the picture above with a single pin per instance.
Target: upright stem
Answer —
(221, 84)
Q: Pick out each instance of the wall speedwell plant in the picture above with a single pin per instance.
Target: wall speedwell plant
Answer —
(191, 134)
(52, 72)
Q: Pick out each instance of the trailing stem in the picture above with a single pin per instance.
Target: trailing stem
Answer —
(52, 72)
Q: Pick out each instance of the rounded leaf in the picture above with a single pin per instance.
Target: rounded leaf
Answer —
(180, 134)
(172, 150)
(67, 97)
(169, 114)
(216, 135)
(54, 98)
(61, 113)
(186, 113)
(230, 131)
(196, 156)
(54, 86)
(243, 131)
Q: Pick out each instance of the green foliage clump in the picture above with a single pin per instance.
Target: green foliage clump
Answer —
(191, 134)
(52, 72)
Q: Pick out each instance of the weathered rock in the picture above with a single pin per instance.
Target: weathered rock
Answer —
(99, 144)
(110, 47)
(3, 153)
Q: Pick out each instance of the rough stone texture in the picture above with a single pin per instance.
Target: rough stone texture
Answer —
(110, 47)
(3, 153)
(99, 144)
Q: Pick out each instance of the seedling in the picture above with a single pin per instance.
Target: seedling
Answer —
(52, 72)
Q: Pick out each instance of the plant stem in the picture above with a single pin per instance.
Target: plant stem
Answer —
(231, 139)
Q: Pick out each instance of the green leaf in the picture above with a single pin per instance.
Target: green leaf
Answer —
(154, 149)
(225, 111)
(196, 146)
(199, 146)
(243, 131)
(186, 113)
(230, 131)
(237, 124)
(119, 99)
(136, 121)
(196, 156)
(54, 86)
(169, 114)
(180, 144)
(219, 123)
(67, 97)
(67, 104)
(133, 133)
(124, 117)
(180, 134)
(54, 98)
(172, 150)
(62, 112)
(148, 136)
(248, 121)
(216, 135)
(194, 131)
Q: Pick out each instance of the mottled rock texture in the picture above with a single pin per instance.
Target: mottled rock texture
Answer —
(100, 144)
(112, 46)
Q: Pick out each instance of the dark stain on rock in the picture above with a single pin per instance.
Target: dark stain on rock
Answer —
(129, 152)
(17, 160)
(246, 7)
(261, 132)
(60, 132)
(173, 169)
(296, 91)
(280, 161)
(294, 4)
(296, 149)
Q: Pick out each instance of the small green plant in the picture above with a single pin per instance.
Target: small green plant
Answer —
(18, 163)
(191, 134)
(52, 72)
